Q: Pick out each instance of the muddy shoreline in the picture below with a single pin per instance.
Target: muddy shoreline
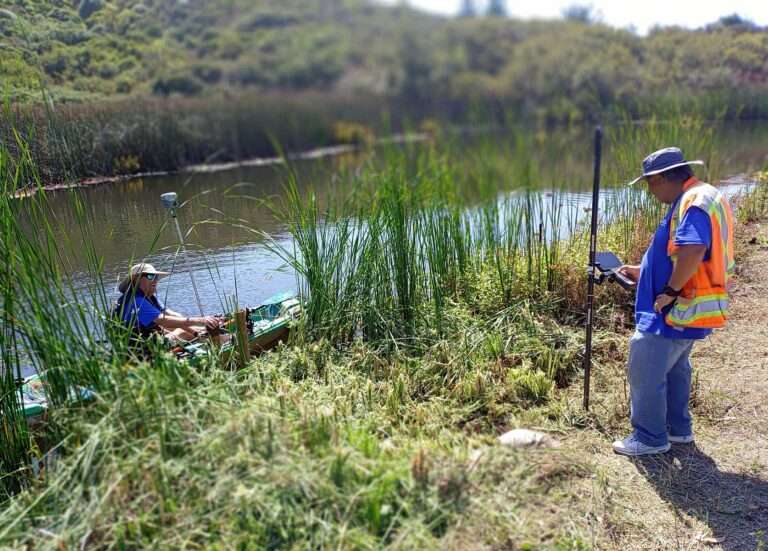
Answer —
(209, 168)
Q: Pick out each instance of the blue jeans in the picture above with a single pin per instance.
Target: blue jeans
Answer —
(660, 385)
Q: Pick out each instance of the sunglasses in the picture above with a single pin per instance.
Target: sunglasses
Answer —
(150, 277)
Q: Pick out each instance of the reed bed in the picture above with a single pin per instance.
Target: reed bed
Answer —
(433, 227)
(78, 141)
(46, 324)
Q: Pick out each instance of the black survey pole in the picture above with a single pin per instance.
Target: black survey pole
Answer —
(592, 268)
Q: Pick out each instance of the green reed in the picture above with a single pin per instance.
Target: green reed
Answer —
(754, 205)
(48, 326)
(14, 436)
(418, 229)
(423, 226)
(73, 141)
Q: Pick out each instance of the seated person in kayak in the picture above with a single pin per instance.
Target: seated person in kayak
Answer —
(139, 308)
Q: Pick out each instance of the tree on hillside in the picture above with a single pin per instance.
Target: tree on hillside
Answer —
(88, 8)
(416, 84)
(581, 13)
(497, 8)
(733, 21)
(468, 8)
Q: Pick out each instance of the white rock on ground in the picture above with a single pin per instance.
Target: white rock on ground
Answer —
(526, 438)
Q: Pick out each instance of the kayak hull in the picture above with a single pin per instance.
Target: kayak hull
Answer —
(268, 325)
(34, 400)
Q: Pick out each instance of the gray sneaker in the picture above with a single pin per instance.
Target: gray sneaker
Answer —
(632, 446)
(680, 439)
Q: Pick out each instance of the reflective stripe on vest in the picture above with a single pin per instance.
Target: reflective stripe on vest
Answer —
(703, 302)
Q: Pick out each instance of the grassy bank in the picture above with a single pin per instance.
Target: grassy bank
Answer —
(440, 310)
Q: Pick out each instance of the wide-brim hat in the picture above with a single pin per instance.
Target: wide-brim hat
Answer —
(135, 272)
(663, 160)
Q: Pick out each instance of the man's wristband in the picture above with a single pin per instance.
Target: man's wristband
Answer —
(669, 291)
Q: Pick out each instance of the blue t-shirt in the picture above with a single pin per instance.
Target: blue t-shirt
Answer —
(656, 269)
(140, 310)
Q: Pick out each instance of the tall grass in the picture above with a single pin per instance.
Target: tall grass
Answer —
(424, 226)
(14, 436)
(420, 231)
(754, 205)
(148, 134)
(48, 324)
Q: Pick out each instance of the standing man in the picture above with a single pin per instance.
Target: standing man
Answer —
(682, 294)
(139, 309)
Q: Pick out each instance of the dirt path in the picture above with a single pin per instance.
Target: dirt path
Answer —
(712, 494)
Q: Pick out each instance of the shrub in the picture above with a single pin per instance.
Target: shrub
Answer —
(248, 76)
(126, 164)
(530, 386)
(180, 84)
(71, 37)
(123, 86)
(88, 8)
(55, 64)
(207, 73)
(106, 70)
(354, 133)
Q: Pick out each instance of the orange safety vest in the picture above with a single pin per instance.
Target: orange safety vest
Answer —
(703, 301)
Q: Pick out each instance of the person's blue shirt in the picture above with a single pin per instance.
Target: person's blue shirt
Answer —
(139, 310)
(656, 268)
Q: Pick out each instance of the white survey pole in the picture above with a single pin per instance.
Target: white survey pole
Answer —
(169, 201)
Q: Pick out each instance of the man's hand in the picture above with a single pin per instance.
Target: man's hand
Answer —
(211, 323)
(662, 301)
(631, 271)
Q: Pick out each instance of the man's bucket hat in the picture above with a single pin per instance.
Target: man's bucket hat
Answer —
(661, 161)
(136, 271)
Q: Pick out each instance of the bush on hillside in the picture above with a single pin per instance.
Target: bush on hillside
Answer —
(209, 74)
(89, 7)
(179, 84)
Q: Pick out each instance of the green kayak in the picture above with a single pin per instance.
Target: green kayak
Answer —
(267, 325)
(34, 401)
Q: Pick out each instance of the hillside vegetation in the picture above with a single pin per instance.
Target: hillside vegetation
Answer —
(560, 69)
